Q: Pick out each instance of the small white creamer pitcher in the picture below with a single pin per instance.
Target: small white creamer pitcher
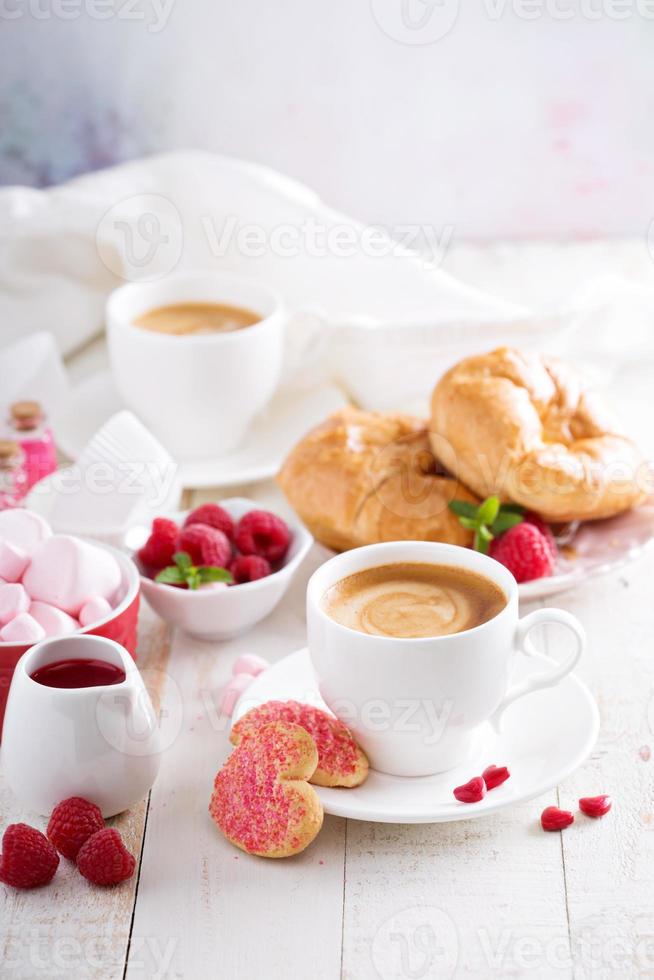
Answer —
(99, 742)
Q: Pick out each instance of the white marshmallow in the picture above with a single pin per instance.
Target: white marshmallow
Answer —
(54, 621)
(23, 528)
(22, 629)
(93, 610)
(67, 571)
(13, 561)
(13, 601)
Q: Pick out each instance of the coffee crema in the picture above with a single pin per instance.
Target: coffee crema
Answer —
(192, 319)
(411, 600)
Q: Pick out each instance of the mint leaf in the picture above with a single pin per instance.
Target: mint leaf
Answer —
(488, 520)
(183, 560)
(504, 521)
(480, 543)
(512, 509)
(488, 510)
(171, 576)
(470, 523)
(211, 573)
(463, 508)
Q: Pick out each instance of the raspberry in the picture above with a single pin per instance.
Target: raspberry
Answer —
(206, 545)
(28, 858)
(249, 568)
(214, 516)
(554, 819)
(495, 775)
(158, 550)
(72, 823)
(261, 533)
(472, 791)
(595, 806)
(532, 518)
(524, 550)
(104, 859)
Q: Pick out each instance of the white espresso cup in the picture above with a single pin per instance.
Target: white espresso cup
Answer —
(100, 742)
(198, 393)
(415, 705)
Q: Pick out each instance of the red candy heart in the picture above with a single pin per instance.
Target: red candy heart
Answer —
(495, 775)
(552, 818)
(595, 806)
(472, 791)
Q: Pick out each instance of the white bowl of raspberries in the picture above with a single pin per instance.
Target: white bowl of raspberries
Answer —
(217, 570)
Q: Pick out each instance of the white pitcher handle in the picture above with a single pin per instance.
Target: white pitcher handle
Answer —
(523, 642)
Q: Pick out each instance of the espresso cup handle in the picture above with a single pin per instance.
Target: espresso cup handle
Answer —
(524, 644)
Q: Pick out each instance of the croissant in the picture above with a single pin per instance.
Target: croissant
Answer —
(363, 477)
(526, 427)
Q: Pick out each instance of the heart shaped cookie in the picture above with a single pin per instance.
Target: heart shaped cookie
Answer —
(340, 760)
(262, 801)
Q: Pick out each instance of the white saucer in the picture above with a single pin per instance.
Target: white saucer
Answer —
(273, 434)
(597, 547)
(545, 737)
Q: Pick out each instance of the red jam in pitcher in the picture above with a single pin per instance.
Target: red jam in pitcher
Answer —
(69, 674)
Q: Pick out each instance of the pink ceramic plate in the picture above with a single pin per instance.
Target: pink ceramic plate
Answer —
(596, 548)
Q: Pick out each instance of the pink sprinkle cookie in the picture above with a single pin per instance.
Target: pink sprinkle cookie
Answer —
(249, 663)
(22, 629)
(13, 560)
(340, 760)
(93, 610)
(232, 692)
(262, 801)
(54, 621)
(13, 601)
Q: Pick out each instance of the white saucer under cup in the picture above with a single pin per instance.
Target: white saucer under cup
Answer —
(273, 433)
(539, 755)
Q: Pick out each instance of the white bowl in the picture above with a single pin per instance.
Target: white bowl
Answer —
(221, 614)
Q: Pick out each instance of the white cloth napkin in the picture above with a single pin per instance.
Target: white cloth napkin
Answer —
(380, 320)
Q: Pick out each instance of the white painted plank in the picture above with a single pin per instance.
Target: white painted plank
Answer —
(71, 928)
(609, 863)
(205, 906)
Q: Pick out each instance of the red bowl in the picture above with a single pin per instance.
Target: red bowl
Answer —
(119, 625)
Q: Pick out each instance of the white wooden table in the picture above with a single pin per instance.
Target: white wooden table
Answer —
(490, 898)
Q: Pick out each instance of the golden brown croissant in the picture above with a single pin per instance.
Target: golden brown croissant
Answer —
(363, 477)
(524, 426)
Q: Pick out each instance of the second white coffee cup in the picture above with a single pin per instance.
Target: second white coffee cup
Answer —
(414, 705)
(197, 394)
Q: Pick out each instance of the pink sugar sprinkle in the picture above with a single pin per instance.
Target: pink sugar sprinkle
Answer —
(337, 750)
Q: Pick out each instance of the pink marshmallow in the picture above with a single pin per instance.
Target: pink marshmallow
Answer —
(232, 692)
(66, 572)
(13, 561)
(249, 663)
(22, 629)
(13, 601)
(54, 621)
(23, 528)
(93, 610)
